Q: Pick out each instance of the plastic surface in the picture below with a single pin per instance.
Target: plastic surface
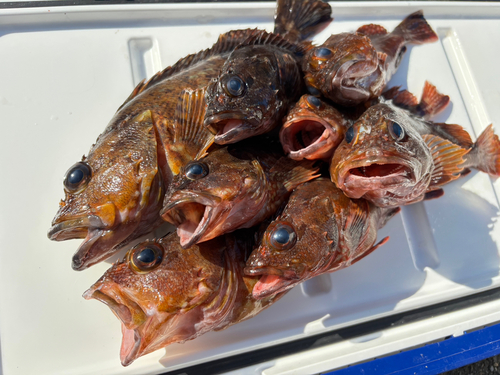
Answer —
(65, 70)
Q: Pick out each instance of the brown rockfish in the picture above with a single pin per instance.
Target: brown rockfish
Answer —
(164, 294)
(393, 157)
(233, 187)
(312, 129)
(351, 68)
(320, 230)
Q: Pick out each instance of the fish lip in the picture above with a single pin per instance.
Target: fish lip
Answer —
(74, 228)
(131, 315)
(79, 261)
(173, 213)
(289, 131)
(280, 281)
(216, 125)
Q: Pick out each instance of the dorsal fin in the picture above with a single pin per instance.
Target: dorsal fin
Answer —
(372, 30)
(448, 159)
(432, 102)
(459, 134)
(226, 43)
(264, 38)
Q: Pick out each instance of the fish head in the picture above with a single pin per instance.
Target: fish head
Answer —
(346, 69)
(295, 246)
(156, 291)
(382, 158)
(312, 129)
(213, 195)
(249, 97)
(113, 195)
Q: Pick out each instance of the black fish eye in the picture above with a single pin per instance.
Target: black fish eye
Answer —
(234, 86)
(145, 258)
(313, 101)
(323, 53)
(77, 176)
(396, 131)
(349, 134)
(282, 236)
(313, 90)
(196, 170)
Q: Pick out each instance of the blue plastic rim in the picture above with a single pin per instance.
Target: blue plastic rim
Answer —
(435, 358)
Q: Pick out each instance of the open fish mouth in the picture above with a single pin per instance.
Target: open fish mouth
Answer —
(229, 127)
(350, 78)
(131, 315)
(191, 213)
(272, 280)
(308, 138)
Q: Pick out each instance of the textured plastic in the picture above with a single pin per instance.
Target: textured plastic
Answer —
(63, 73)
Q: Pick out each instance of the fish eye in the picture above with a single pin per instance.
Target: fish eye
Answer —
(396, 131)
(323, 53)
(233, 85)
(146, 257)
(77, 177)
(314, 102)
(349, 134)
(282, 236)
(196, 170)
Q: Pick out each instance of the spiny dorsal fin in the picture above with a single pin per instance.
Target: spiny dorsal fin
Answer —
(190, 138)
(372, 30)
(264, 38)
(297, 20)
(432, 101)
(447, 157)
(226, 43)
(458, 134)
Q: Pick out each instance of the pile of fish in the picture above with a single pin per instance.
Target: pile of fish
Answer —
(277, 160)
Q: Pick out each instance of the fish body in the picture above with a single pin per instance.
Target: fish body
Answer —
(312, 129)
(114, 195)
(164, 294)
(233, 187)
(257, 84)
(393, 157)
(320, 230)
(352, 68)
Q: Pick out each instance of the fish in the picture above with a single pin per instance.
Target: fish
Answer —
(393, 157)
(352, 68)
(234, 187)
(164, 294)
(114, 195)
(312, 129)
(319, 231)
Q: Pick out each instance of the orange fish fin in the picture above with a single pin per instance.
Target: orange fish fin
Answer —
(456, 133)
(485, 153)
(299, 172)
(372, 30)
(381, 57)
(416, 30)
(432, 102)
(297, 20)
(447, 157)
(226, 43)
(402, 98)
(190, 138)
(356, 223)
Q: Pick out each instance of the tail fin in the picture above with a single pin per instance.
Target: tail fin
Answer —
(190, 138)
(297, 20)
(416, 30)
(485, 153)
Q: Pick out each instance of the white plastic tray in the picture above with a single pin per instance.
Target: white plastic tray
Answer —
(63, 73)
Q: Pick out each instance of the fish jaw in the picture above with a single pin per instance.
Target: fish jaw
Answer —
(308, 137)
(272, 281)
(192, 213)
(231, 127)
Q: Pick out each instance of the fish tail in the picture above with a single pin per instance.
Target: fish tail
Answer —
(485, 153)
(297, 20)
(301, 172)
(432, 101)
(190, 138)
(416, 30)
